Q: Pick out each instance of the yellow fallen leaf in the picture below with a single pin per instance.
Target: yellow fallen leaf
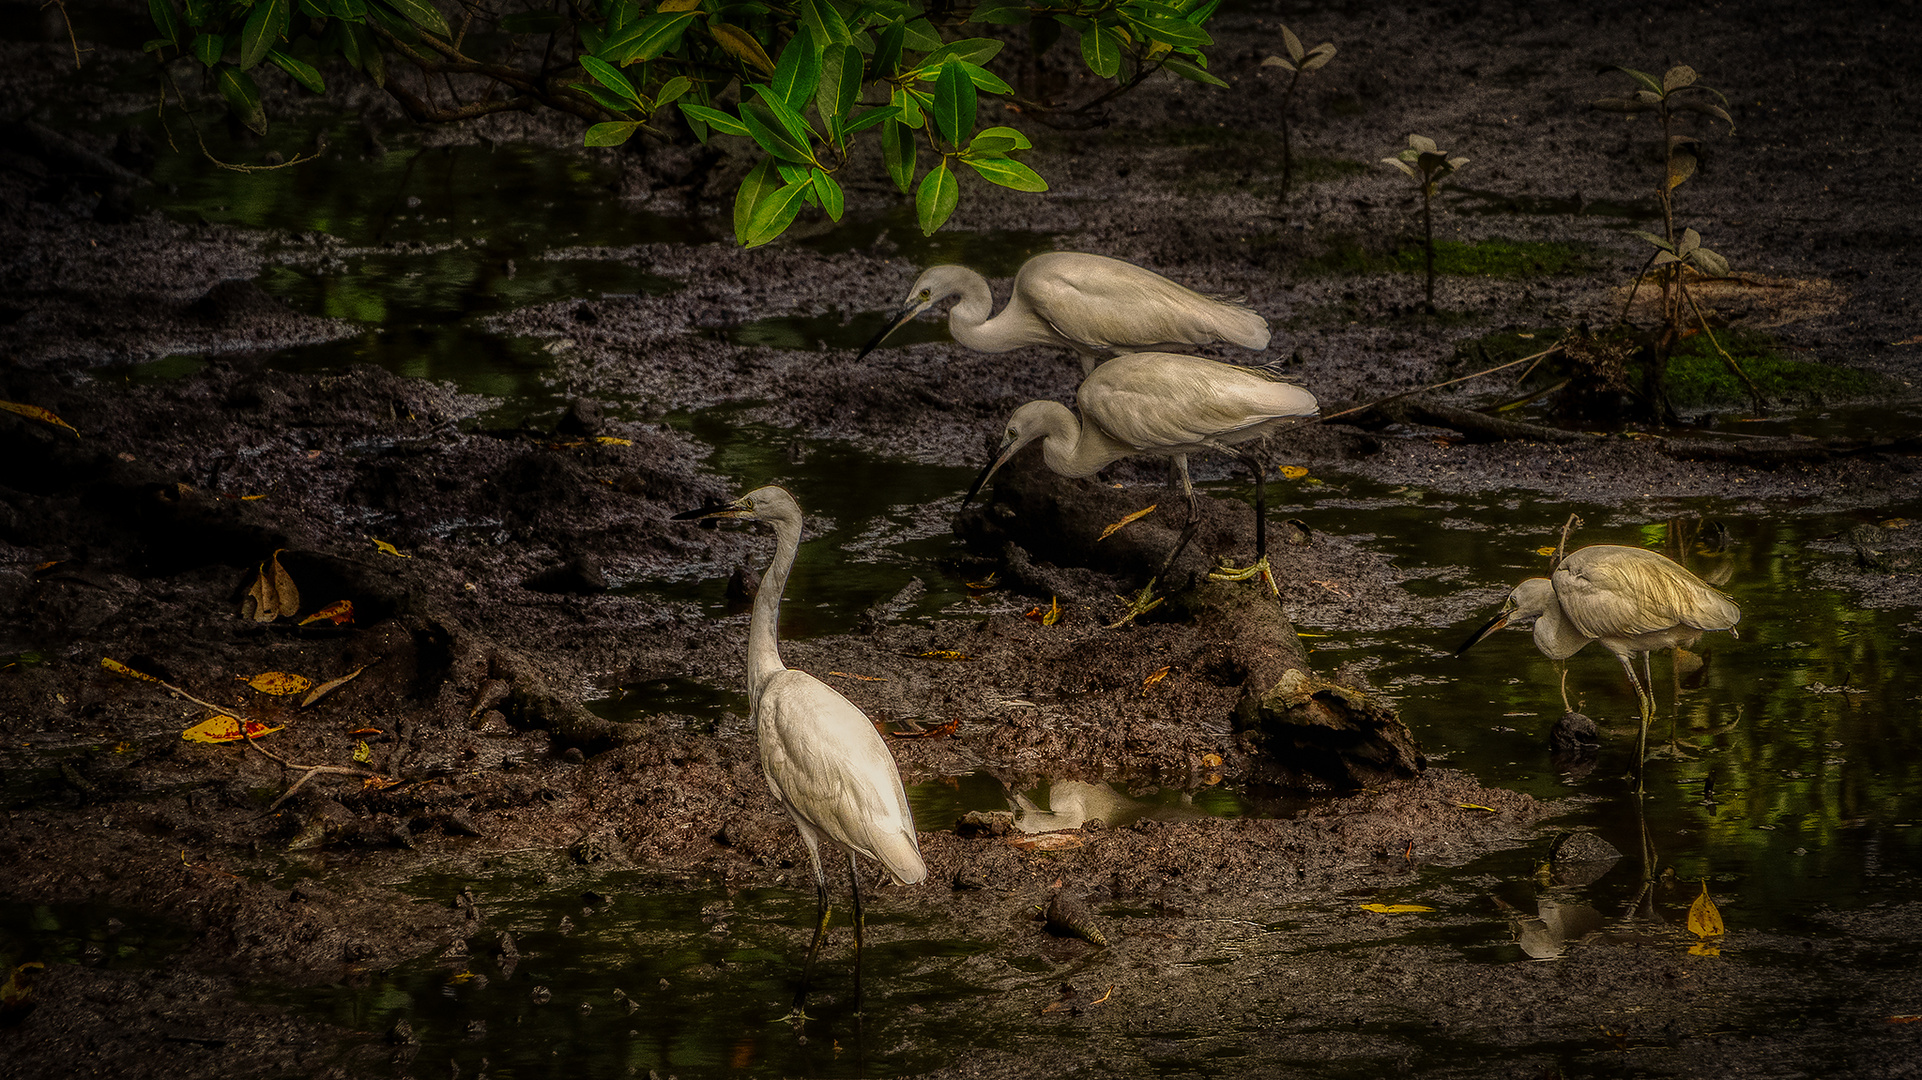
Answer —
(329, 687)
(1395, 909)
(985, 583)
(1704, 920)
(1053, 614)
(277, 683)
(1293, 472)
(1125, 522)
(1703, 948)
(340, 613)
(35, 412)
(119, 668)
(1150, 681)
(17, 993)
(1211, 761)
(361, 752)
(390, 549)
(1475, 806)
(943, 654)
(863, 678)
(225, 729)
(615, 440)
(1545, 550)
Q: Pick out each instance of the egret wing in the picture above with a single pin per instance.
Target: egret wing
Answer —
(1611, 591)
(1172, 403)
(1114, 306)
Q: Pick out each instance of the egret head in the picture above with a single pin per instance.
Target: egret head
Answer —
(936, 284)
(1029, 422)
(1526, 603)
(769, 503)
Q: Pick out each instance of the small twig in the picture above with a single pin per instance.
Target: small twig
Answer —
(1568, 527)
(231, 167)
(161, 109)
(1755, 392)
(1437, 386)
(68, 19)
(308, 771)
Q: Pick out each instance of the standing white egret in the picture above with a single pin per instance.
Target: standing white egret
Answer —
(1631, 600)
(1092, 304)
(823, 759)
(1167, 405)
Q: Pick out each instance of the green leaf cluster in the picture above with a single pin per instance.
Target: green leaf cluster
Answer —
(799, 79)
(1686, 250)
(1425, 163)
(1677, 91)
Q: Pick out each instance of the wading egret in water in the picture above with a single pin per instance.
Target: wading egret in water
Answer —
(1631, 600)
(1092, 304)
(823, 759)
(1167, 405)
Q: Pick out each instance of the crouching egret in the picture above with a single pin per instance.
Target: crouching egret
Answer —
(824, 761)
(1631, 600)
(1092, 304)
(1167, 405)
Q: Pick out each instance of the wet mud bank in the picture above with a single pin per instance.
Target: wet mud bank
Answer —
(521, 586)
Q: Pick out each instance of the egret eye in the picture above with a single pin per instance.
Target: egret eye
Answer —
(925, 293)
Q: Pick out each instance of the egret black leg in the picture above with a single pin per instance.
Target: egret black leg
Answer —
(1260, 568)
(823, 910)
(1643, 701)
(860, 926)
(1260, 469)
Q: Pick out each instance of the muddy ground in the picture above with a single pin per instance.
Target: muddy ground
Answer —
(139, 541)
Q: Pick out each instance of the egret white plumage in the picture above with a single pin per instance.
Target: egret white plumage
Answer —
(1093, 304)
(1632, 600)
(823, 760)
(1170, 406)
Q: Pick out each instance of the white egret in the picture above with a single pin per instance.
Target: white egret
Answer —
(1632, 600)
(1167, 405)
(1095, 305)
(823, 759)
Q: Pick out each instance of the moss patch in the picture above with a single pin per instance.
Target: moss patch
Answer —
(1489, 258)
(1697, 376)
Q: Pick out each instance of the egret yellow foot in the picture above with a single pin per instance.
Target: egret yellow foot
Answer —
(1143, 602)
(1260, 569)
(794, 1016)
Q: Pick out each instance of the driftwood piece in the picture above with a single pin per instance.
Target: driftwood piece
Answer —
(1313, 733)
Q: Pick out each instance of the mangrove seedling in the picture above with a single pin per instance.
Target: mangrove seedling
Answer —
(1299, 61)
(1669, 264)
(1676, 93)
(1428, 165)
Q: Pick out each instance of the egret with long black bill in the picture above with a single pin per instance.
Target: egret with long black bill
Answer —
(823, 760)
(1632, 600)
(1169, 406)
(1095, 305)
